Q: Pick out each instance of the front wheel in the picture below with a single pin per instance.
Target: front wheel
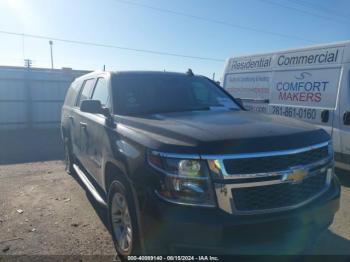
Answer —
(122, 219)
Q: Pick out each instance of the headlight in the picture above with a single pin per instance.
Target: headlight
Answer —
(216, 168)
(183, 181)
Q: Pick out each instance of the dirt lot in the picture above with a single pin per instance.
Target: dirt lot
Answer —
(43, 211)
(58, 216)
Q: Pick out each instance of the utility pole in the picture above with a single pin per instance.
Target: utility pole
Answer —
(51, 43)
(28, 93)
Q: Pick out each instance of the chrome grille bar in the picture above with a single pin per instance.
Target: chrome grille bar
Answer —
(265, 154)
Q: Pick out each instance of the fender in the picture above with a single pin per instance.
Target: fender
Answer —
(123, 173)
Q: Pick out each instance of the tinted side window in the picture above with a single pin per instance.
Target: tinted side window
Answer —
(101, 92)
(72, 93)
(86, 92)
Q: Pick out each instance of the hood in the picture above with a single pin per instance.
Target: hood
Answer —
(223, 132)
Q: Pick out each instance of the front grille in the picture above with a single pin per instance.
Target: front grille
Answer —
(278, 195)
(274, 163)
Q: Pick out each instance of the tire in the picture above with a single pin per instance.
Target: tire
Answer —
(123, 220)
(68, 156)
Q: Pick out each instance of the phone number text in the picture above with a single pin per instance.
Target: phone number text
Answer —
(296, 112)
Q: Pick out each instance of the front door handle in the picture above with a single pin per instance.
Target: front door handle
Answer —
(346, 118)
(71, 117)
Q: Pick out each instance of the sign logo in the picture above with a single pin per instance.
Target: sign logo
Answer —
(303, 75)
(297, 175)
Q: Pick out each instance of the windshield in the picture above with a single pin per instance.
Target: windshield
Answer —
(139, 94)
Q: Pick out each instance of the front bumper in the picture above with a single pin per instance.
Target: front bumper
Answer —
(179, 229)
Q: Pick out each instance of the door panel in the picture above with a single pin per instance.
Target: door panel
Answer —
(96, 141)
(96, 135)
(343, 128)
(80, 128)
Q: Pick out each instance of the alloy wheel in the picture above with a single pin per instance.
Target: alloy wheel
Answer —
(121, 222)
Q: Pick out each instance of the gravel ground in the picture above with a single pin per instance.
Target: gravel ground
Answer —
(44, 211)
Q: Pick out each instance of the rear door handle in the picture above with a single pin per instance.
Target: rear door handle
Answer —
(71, 117)
(83, 125)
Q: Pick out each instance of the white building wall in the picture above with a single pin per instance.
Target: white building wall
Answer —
(32, 98)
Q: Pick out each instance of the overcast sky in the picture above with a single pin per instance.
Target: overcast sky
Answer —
(201, 28)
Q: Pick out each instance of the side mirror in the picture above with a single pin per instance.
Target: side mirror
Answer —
(105, 111)
(109, 118)
(91, 106)
(95, 107)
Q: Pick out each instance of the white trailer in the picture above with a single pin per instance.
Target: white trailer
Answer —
(310, 84)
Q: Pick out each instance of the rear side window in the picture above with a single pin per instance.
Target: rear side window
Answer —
(72, 93)
(101, 92)
(86, 91)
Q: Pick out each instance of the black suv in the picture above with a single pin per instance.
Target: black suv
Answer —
(182, 166)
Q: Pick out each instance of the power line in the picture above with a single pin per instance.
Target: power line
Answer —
(211, 20)
(155, 52)
(321, 8)
(302, 11)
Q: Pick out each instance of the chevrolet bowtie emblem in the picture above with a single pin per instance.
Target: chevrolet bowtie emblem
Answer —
(295, 176)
